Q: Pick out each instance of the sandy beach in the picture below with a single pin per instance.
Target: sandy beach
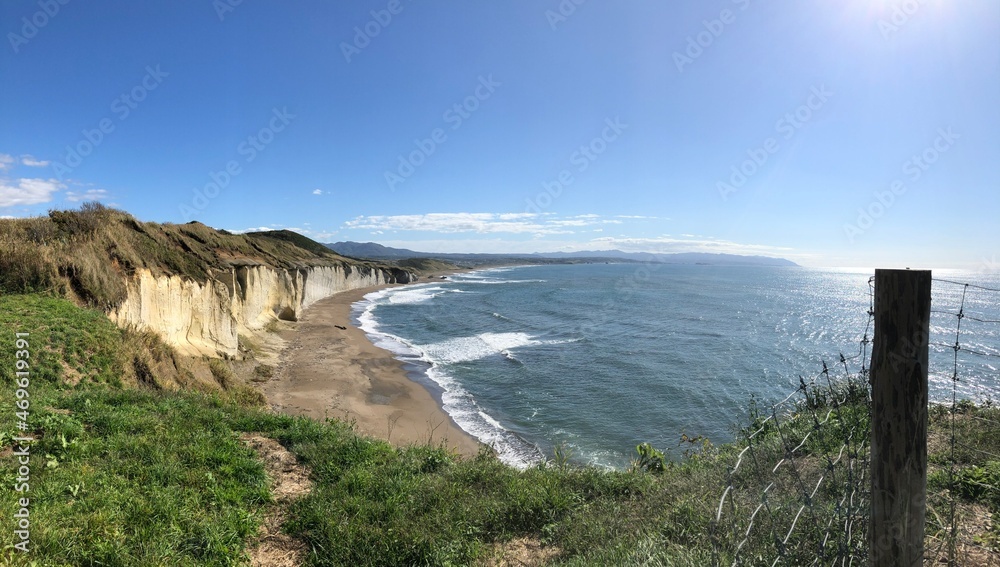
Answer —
(329, 368)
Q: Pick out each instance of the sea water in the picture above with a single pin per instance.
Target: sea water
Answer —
(599, 358)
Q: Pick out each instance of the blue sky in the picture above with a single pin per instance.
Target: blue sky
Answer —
(833, 133)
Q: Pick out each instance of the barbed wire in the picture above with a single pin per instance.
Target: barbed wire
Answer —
(810, 506)
(798, 492)
(963, 547)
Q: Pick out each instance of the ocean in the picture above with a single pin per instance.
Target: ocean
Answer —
(602, 357)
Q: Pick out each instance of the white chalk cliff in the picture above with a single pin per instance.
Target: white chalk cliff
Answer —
(207, 318)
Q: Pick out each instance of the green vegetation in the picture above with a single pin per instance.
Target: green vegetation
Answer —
(424, 266)
(81, 346)
(962, 457)
(650, 459)
(127, 473)
(88, 253)
(135, 478)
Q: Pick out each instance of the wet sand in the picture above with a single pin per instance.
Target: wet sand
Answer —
(328, 371)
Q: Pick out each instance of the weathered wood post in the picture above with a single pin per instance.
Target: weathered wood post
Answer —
(899, 418)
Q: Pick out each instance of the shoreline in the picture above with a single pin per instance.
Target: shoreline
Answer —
(329, 368)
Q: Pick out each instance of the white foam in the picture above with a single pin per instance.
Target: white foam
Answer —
(490, 420)
(457, 402)
(488, 277)
(493, 281)
(479, 273)
(510, 356)
(463, 409)
(410, 294)
(465, 349)
(414, 295)
(365, 313)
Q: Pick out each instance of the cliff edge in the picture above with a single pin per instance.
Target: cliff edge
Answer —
(196, 287)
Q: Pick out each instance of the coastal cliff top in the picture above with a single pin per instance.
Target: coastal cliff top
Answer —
(87, 254)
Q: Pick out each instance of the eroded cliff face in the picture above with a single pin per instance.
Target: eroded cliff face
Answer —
(207, 318)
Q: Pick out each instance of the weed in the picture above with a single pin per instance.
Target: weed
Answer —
(562, 453)
(649, 459)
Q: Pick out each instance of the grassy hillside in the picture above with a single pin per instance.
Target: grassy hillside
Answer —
(124, 474)
(86, 254)
(425, 266)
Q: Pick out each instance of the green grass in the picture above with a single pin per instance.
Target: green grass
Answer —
(156, 477)
(67, 342)
(137, 478)
(118, 477)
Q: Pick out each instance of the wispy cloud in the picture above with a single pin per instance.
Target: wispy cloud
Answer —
(317, 191)
(27, 191)
(659, 245)
(317, 235)
(88, 195)
(672, 245)
(525, 233)
(479, 223)
(581, 222)
(516, 216)
(32, 162)
(6, 161)
(321, 235)
(251, 229)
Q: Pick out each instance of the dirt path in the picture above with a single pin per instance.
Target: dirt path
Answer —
(290, 481)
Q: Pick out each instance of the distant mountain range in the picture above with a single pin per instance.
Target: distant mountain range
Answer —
(377, 251)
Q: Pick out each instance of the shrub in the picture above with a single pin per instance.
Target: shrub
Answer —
(222, 373)
(24, 269)
(650, 459)
(91, 216)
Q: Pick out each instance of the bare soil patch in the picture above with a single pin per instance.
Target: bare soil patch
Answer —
(290, 482)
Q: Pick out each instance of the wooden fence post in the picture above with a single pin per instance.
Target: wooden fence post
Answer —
(899, 418)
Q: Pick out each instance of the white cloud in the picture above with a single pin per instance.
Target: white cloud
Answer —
(518, 233)
(317, 235)
(578, 221)
(32, 162)
(251, 229)
(486, 246)
(671, 245)
(517, 216)
(27, 191)
(6, 161)
(317, 192)
(88, 195)
(659, 245)
(479, 223)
